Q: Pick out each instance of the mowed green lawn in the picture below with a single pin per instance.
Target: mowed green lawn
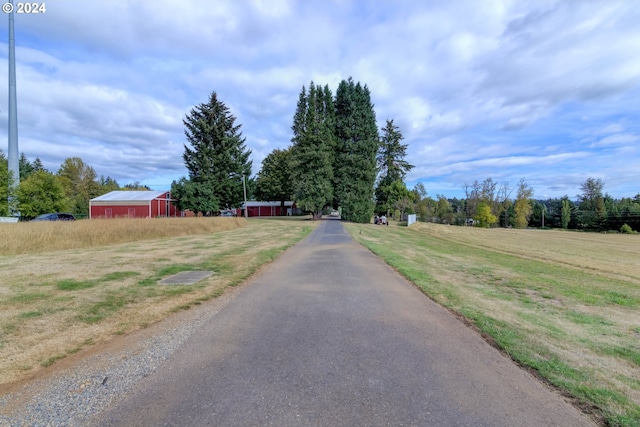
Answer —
(566, 305)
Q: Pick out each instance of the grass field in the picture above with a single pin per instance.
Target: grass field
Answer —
(66, 286)
(565, 304)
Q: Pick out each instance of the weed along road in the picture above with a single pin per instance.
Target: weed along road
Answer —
(329, 335)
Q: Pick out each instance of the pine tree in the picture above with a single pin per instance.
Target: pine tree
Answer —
(25, 167)
(217, 157)
(37, 165)
(312, 150)
(592, 210)
(391, 164)
(107, 184)
(356, 148)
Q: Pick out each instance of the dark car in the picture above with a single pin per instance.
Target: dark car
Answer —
(55, 217)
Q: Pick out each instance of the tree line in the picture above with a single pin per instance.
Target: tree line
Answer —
(492, 204)
(337, 158)
(40, 191)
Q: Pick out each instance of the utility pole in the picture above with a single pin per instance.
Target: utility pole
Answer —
(14, 165)
(244, 189)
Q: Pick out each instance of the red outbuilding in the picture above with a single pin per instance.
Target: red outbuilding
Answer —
(133, 204)
(271, 209)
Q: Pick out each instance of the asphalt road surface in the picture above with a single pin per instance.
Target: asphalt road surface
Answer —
(329, 335)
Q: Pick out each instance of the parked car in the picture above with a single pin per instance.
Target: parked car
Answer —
(334, 213)
(226, 213)
(55, 217)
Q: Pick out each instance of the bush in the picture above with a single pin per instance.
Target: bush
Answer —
(627, 229)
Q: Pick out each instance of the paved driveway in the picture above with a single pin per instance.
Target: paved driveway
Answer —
(328, 335)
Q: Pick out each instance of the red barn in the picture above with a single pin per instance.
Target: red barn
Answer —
(133, 204)
(270, 209)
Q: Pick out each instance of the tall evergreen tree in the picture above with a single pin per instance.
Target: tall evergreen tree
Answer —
(355, 155)
(37, 165)
(593, 213)
(108, 184)
(217, 157)
(392, 166)
(312, 150)
(25, 167)
(565, 213)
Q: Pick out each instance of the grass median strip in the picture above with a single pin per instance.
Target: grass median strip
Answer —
(52, 306)
(564, 304)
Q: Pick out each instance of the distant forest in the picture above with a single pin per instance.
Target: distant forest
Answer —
(486, 203)
(490, 204)
(337, 159)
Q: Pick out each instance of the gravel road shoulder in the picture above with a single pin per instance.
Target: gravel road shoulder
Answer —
(81, 386)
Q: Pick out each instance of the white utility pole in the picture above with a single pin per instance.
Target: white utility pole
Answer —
(14, 164)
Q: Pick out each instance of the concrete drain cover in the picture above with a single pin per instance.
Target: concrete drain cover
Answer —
(186, 278)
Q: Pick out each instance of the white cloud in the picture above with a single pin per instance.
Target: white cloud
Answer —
(505, 89)
(616, 139)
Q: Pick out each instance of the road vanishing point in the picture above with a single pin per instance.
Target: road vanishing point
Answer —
(329, 335)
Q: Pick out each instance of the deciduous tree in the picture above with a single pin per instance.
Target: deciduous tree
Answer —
(484, 217)
(522, 205)
(6, 186)
(42, 192)
(443, 209)
(274, 180)
(80, 184)
(197, 198)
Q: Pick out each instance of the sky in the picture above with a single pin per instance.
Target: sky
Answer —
(544, 90)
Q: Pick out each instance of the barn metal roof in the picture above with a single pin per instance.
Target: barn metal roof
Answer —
(118, 196)
(252, 204)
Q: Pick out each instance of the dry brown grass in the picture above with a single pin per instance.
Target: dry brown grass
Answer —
(566, 304)
(45, 236)
(614, 253)
(54, 303)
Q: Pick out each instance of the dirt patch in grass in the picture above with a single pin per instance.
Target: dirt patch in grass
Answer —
(54, 303)
(564, 304)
